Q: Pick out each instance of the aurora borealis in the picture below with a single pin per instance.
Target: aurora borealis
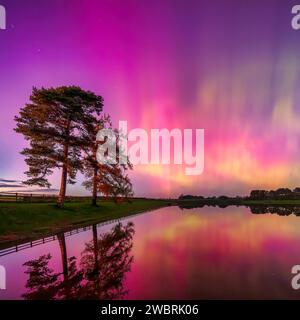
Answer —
(230, 67)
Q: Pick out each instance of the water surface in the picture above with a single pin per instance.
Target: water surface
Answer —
(170, 253)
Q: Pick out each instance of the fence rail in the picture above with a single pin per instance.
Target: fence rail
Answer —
(35, 197)
(23, 197)
(38, 197)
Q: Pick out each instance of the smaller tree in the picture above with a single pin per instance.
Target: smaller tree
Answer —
(114, 182)
(110, 178)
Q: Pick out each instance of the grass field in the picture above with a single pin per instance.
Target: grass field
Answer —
(19, 221)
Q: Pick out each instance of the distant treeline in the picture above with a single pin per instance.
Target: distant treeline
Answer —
(214, 198)
(279, 194)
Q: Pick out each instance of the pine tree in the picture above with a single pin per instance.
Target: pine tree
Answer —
(109, 179)
(55, 122)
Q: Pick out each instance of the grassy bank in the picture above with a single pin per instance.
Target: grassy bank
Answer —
(20, 221)
(24, 221)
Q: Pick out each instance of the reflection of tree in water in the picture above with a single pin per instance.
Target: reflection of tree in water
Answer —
(279, 210)
(103, 265)
(258, 209)
(105, 261)
(42, 282)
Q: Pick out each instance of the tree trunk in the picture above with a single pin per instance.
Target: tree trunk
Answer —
(63, 186)
(63, 252)
(64, 174)
(96, 262)
(95, 187)
(96, 249)
(64, 258)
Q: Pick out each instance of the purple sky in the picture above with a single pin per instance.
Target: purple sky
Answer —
(231, 67)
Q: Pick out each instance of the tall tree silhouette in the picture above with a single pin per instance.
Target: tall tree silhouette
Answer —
(54, 122)
(108, 178)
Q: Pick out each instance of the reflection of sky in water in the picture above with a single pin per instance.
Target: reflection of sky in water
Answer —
(197, 253)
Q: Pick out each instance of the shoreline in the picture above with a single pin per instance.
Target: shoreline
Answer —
(236, 202)
(97, 215)
(25, 222)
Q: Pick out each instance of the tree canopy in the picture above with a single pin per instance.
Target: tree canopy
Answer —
(55, 123)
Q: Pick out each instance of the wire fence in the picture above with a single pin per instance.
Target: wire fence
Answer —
(41, 241)
(37, 197)
(25, 197)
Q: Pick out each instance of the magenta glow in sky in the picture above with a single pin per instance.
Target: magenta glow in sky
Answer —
(231, 67)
